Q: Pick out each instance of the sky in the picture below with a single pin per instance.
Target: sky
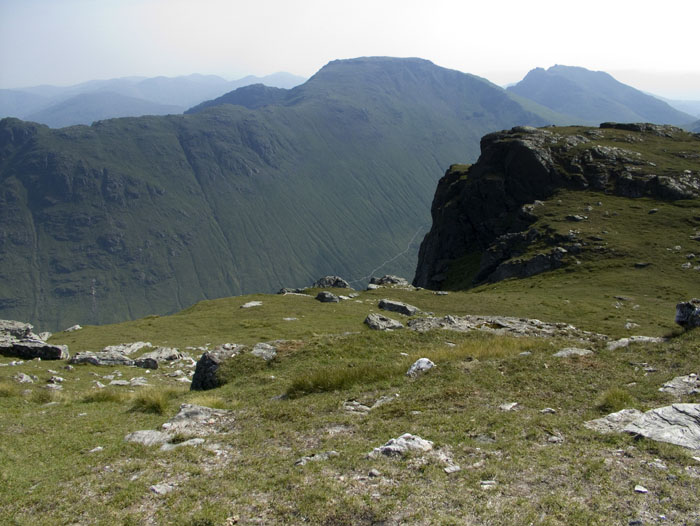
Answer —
(650, 45)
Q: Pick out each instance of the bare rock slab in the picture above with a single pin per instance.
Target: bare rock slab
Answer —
(110, 358)
(676, 424)
(397, 306)
(682, 386)
(378, 322)
(614, 422)
(18, 340)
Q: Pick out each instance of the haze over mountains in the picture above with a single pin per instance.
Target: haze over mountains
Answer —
(123, 97)
(254, 190)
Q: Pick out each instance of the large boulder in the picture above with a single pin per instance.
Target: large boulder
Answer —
(205, 373)
(18, 340)
(688, 313)
(397, 306)
(327, 297)
(109, 358)
(676, 424)
(331, 281)
(379, 322)
(151, 360)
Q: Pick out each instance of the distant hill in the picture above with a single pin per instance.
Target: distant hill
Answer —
(61, 106)
(90, 107)
(138, 216)
(592, 97)
(691, 107)
(254, 96)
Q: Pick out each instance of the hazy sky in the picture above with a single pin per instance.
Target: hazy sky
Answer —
(651, 45)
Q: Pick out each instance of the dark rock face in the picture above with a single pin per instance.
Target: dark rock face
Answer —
(486, 209)
(327, 297)
(688, 313)
(205, 373)
(17, 339)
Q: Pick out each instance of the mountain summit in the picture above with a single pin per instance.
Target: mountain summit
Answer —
(593, 97)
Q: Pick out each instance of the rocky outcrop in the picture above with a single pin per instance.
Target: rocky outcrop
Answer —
(676, 424)
(379, 322)
(688, 313)
(389, 280)
(331, 282)
(483, 213)
(205, 373)
(110, 358)
(327, 297)
(18, 340)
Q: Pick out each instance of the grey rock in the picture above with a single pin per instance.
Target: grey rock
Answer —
(120, 383)
(265, 351)
(572, 351)
(397, 306)
(45, 335)
(251, 304)
(614, 422)
(398, 447)
(331, 282)
(290, 291)
(688, 313)
(419, 367)
(127, 348)
(198, 421)
(510, 406)
(148, 437)
(18, 340)
(389, 279)
(316, 458)
(682, 386)
(675, 424)
(162, 489)
(205, 373)
(73, 328)
(151, 360)
(174, 445)
(109, 358)
(327, 297)
(56, 380)
(23, 378)
(382, 323)
(624, 342)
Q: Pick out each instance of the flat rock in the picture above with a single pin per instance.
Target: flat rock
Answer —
(676, 424)
(331, 282)
(18, 340)
(389, 279)
(682, 386)
(378, 322)
(327, 297)
(127, 348)
(398, 447)
(614, 422)
(110, 358)
(419, 367)
(572, 351)
(625, 342)
(397, 306)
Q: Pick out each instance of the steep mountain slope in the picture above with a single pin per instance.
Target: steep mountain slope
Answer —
(593, 97)
(90, 107)
(694, 127)
(619, 202)
(148, 215)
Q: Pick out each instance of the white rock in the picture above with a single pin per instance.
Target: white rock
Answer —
(162, 489)
(572, 351)
(251, 304)
(640, 489)
(614, 422)
(96, 450)
(397, 447)
(508, 406)
(73, 328)
(419, 367)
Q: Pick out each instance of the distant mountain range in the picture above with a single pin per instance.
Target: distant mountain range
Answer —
(251, 191)
(592, 97)
(123, 97)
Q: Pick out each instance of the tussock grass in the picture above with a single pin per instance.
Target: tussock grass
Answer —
(614, 399)
(335, 378)
(209, 400)
(153, 400)
(8, 389)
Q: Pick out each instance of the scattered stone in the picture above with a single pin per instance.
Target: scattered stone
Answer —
(197, 421)
(624, 342)
(54, 387)
(688, 313)
(17, 339)
(676, 424)
(572, 351)
(327, 297)
(353, 406)
(251, 304)
(265, 351)
(397, 306)
(682, 386)
(419, 367)
(508, 406)
(640, 489)
(548, 411)
(441, 293)
(127, 348)
(109, 358)
(138, 381)
(555, 439)
(525, 353)
(398, 447)
(614, 422)
(148, 437)
(73, 328)
(488, 484)
(316, 458)
(453, 468)
(290, 319)
(162, 489)
(653, 210)
(373, 473)
(151, 360)
(96, 449)
(631, 325)
(56, 380)
(379, 322)
(205, 374)
(69, 367)
(120, 383)
(287, 290)
(641, 264)
(576, 218)
(186, 443)
(23, 378)
(331, 282)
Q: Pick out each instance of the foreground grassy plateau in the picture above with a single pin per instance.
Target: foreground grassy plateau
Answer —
(64, 458)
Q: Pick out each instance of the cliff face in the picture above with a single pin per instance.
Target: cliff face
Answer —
(482, 214)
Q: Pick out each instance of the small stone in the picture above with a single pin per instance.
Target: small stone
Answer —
(572, 351)
(397, 447)
(162, 489)
(96, 450)
(73, 328)
(23, 378)
(525, 353)
(547, 411)
(488, 484)
(56, 380)
(508, 406)
(653, 210)
(316, 458)
(453, 468)
(640, 489)
(419, 367)
(374, 473)
(555, 439)
(251, 304)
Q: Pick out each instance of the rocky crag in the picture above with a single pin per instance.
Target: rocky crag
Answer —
(484, 215)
